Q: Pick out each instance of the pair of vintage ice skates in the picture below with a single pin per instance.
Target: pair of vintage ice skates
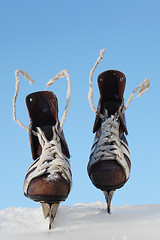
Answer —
(49, 178)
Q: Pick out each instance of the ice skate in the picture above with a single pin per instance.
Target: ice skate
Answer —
(109, 163)
(49, 178)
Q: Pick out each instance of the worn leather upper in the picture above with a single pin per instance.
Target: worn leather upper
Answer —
(43, 112)
(107, 174)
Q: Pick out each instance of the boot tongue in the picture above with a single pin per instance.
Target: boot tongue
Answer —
(48, 132)
(43, 108)
(111, 83)
(111, 107)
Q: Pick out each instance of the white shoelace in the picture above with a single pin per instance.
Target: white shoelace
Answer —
(109, 146)
(51, 161)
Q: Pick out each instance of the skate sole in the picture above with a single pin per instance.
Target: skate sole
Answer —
(45, 199)
(110, 188)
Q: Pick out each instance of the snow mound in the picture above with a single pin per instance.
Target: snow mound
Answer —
(82, 221)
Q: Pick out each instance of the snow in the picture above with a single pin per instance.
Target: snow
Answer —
(82, 221)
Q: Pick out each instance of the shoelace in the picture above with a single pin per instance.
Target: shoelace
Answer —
(109, 146)
(51, 161)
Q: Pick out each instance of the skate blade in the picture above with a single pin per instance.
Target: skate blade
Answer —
(50, 210)
(108, 196)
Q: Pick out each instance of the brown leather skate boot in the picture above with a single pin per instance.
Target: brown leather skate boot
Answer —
(109, 164)
(49, 178)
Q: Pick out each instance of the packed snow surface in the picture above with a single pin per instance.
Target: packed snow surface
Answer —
(82, 221)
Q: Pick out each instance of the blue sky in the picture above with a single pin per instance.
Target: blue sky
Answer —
(44, 37)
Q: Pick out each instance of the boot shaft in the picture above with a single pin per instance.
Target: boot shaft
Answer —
(43, 112)
(42, 108)
(111, 85)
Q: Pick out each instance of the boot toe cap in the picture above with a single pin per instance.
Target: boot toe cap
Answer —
(49, 186)
(107, 175)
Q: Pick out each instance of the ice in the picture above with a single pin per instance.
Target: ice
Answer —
(82, 221)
